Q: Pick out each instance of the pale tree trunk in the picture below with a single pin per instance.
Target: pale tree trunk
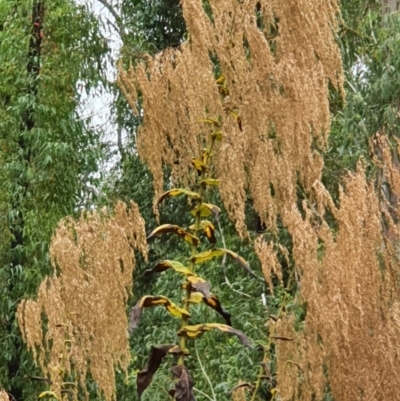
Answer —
(390, 6)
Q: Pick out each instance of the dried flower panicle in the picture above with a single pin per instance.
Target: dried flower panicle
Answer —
(352, 322)
(275, 59)
(4, 396)
(84, 302)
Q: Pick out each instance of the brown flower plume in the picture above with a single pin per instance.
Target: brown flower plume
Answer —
(84, 302)
(274, 62)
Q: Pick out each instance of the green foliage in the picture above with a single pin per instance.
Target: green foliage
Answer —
(47, 153)
(153, 24)
(370, 49)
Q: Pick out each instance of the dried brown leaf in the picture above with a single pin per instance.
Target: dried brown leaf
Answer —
(156, 356)
(183, 385)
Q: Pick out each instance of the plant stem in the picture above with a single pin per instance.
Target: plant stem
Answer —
(197, 221)
(260, 374)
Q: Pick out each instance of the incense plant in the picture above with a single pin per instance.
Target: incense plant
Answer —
(195, 288)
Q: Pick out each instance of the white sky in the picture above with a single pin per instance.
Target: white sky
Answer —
(97, 105)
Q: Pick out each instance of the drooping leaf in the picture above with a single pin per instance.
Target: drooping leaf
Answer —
(199, 165)
(220, 80)
(183, 385)
(72, 384)
(242, 385)
(207, 209)
(48, 394)
(175, 192)
(214, 303)
(218, 135)
(176, 350)
(167, 264)
(210, 181)
(222, 86)
(149, 301)
(156, 356)
(209, 232)
(199, 329)
(208, 229)
(236, 116)
(196, 297)
(172, 228)
(206, 256)
(215, 121)
(38, 378)
(199, 284)
(214, 253)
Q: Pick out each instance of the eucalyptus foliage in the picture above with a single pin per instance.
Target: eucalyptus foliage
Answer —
(48, 153)
(370, 51)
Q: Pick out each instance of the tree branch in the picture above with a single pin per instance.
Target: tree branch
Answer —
(119, 27)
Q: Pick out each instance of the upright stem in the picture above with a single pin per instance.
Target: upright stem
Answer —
(197, 222)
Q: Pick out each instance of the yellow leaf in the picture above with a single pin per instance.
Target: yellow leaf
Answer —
(206, 209)
(208, 229)
(168, 228)
(196, 280)
(175, 192)
(211, 121)
(149, 301)
(199, 165)
(208, 255)
(236, 116)
(48, 394)
(196, 297)
(221, 79)
(198, 329)
(166, 264)
(176, 310)
(218, 135)
(69, 384)
(210, 181)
